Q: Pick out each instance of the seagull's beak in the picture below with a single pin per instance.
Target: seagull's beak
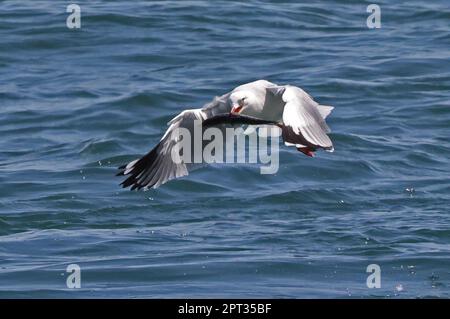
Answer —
(236, 109)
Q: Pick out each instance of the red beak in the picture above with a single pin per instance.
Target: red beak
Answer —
(236, 109)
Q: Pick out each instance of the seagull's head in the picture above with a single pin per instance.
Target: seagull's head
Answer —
(241, 101)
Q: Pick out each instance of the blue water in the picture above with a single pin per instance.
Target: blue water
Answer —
(75, 104)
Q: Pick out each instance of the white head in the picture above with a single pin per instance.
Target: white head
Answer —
(242, 102)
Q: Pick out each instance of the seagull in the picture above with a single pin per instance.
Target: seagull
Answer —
(301, 119)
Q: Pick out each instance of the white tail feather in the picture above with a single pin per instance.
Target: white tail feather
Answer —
(324, 110)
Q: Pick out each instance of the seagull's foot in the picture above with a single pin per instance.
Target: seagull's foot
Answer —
(306, 150)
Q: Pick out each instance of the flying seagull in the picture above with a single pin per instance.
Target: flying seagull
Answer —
(301, 119)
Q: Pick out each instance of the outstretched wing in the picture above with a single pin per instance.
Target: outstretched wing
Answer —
(157, 166)
(304, 120)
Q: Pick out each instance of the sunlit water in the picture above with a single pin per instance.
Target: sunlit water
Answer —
(75, 104)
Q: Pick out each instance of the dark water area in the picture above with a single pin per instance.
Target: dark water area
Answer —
(75, 104)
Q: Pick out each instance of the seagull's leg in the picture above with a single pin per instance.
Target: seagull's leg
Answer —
(307, 151)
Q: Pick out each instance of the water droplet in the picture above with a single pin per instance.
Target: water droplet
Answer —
(411, 191)
(399, 287)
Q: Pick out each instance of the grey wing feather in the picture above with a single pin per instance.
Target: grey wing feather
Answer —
(157, 166)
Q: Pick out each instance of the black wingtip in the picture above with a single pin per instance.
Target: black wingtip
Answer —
(121, 173)
(129, 181)
(138, 167)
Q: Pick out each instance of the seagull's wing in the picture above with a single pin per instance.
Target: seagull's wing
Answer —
(157, 166)
(304, 120)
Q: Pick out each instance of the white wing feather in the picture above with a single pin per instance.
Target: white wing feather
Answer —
(306, 117)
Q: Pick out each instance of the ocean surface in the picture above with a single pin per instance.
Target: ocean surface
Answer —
(77, 103)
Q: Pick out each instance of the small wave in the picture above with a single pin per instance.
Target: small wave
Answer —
(99, 147)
